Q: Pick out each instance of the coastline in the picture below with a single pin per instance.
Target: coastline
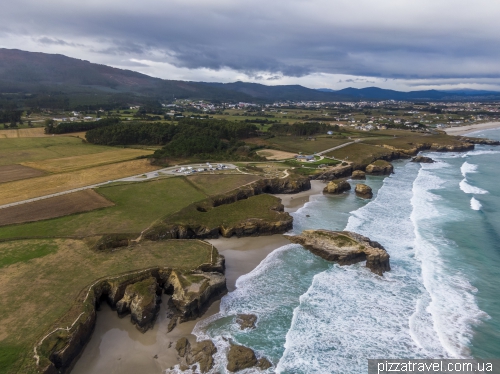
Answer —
(462, 130)
(294, 202)
(117, 347)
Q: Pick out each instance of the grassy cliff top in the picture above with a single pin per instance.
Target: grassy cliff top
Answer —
(230, 214)
(41, 279)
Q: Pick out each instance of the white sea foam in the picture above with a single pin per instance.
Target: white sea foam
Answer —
(449, 299)
(475, 204)
(350, 314)
(467, 188)
(480, 152)
(467, 168)
(271, 291)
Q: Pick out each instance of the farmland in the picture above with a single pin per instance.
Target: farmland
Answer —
(17, 151)
(35, 132)
(49, 184)
(11, 173)
(77, 202)
(66, 164)
(61, 269)
(137, 206)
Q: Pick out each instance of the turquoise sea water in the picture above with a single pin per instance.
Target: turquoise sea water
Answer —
(441, 225)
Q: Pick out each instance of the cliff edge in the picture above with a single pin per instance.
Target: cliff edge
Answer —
(345, 248)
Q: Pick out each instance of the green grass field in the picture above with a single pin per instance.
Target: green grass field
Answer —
(407, 140)
(226, 215)
(40, 287)
(138, 205)
(222, 183)
(301, 144)
(15, 151)
(359, 154)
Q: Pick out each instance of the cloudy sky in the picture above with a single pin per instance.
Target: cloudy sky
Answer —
(399, 44)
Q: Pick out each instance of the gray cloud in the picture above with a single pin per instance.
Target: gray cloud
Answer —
(427, 39)
(54, 41)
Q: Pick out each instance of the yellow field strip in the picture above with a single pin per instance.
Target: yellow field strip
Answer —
(67, 164)
(27, 189)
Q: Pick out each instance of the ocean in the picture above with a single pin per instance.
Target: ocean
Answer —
(440, 224)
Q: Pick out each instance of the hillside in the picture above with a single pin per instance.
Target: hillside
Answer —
(87, 83)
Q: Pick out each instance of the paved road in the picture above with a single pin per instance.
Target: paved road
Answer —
(135, 178)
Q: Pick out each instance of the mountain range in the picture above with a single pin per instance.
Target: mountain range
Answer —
(36, 73)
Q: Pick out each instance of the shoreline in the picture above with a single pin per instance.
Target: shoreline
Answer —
(116, 346)
(462, 130)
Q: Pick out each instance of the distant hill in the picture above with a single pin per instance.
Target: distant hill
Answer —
(22, 71)
(42, 73)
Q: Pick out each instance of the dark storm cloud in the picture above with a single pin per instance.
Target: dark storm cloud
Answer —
(293, 38)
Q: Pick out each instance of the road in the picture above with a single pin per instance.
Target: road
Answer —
(135, 178)
(337, 147)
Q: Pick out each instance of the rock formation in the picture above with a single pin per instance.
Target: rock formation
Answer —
(194, 292)
(239, 358)
(484, 141)
(246, 321)
(422, 159)
(380, 167)
(200, 353)
(345, 248)
(364, 191)
(337, 187)
(358, 174)
(335, 173)
(141, 300)
(135, 292)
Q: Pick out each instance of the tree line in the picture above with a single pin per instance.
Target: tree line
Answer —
(69, 127)
(190, 137)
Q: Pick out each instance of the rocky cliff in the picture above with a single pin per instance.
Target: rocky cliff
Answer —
(190, 224)
(335, 173)
(483, 141)
(135, 293)
(345, 248)
(142, 301)
(380, 167)
(337, 187)
(364, 191)
(193, 292)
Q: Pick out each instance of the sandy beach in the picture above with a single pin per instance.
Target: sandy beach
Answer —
(293, 202)
(462, 130)
(117, 346)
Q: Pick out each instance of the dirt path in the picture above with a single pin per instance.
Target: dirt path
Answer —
(337, 147)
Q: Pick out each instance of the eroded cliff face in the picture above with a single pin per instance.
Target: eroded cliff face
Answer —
(345, 248)
(193, 292)
(142, 301)
(281, 223)
(380, 167)
(136, 293)
(337, 187)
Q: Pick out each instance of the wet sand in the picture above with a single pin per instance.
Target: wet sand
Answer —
(294, 202)
(462, 130)
(117, 346)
